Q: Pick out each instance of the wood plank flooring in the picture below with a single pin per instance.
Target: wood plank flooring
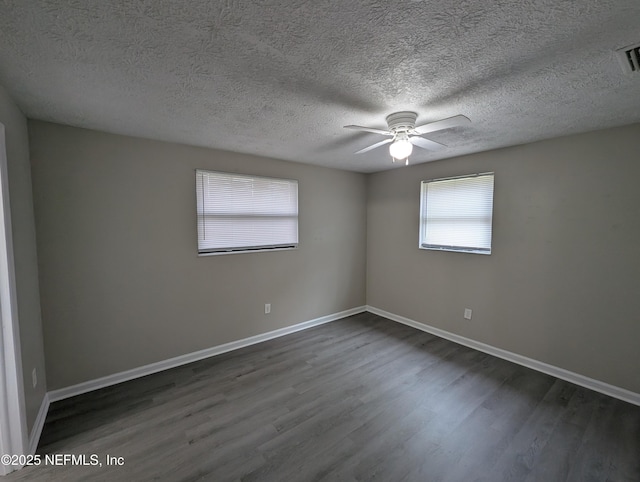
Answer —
(363, 398)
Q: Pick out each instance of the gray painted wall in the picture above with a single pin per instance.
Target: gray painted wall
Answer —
(122, 286)
(561, 285)
(121, 283)
(24, 250)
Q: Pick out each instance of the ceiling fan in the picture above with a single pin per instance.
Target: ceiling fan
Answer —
(404, 134)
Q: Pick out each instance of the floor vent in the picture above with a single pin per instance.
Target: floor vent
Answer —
(630, 59)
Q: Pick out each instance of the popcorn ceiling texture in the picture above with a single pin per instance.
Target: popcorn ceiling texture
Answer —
(280, 78)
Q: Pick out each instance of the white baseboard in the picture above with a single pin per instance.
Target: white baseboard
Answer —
(67, 392)
(576, 378)
(36, 430)
(84, 387)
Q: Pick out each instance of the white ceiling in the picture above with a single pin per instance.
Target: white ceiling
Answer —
(280, 78)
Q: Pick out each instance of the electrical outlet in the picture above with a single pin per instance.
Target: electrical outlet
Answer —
(267, 308)
(467, 314)
(34, 377)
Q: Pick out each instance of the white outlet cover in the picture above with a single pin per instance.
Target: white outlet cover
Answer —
(467, 313)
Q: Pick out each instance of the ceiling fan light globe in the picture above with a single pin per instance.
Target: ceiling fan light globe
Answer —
(401, 149)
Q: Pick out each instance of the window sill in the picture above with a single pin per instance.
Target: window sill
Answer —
(244, 251)
(455, 250)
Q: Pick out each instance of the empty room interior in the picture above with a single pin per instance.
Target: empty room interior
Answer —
(329, 240)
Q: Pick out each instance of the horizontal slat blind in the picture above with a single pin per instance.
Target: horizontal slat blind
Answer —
(239, 213)
(456, 214)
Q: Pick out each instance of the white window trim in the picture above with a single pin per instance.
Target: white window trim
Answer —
(248, 250)
(454, 249)
(242, 249)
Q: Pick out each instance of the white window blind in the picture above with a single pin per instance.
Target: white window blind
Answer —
(244, 213)
(456, 213)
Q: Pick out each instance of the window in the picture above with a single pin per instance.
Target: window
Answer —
(245, 213)
(456, 213)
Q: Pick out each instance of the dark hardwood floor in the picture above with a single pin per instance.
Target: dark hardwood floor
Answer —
(362, 398)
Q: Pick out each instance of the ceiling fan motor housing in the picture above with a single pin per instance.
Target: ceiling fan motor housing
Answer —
(401, 121)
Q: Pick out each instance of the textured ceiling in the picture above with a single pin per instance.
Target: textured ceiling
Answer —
(281, 77)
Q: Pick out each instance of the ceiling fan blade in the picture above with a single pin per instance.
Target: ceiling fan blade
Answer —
(456, 120)
(377, 144)
(426, 143)
(370, 129)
